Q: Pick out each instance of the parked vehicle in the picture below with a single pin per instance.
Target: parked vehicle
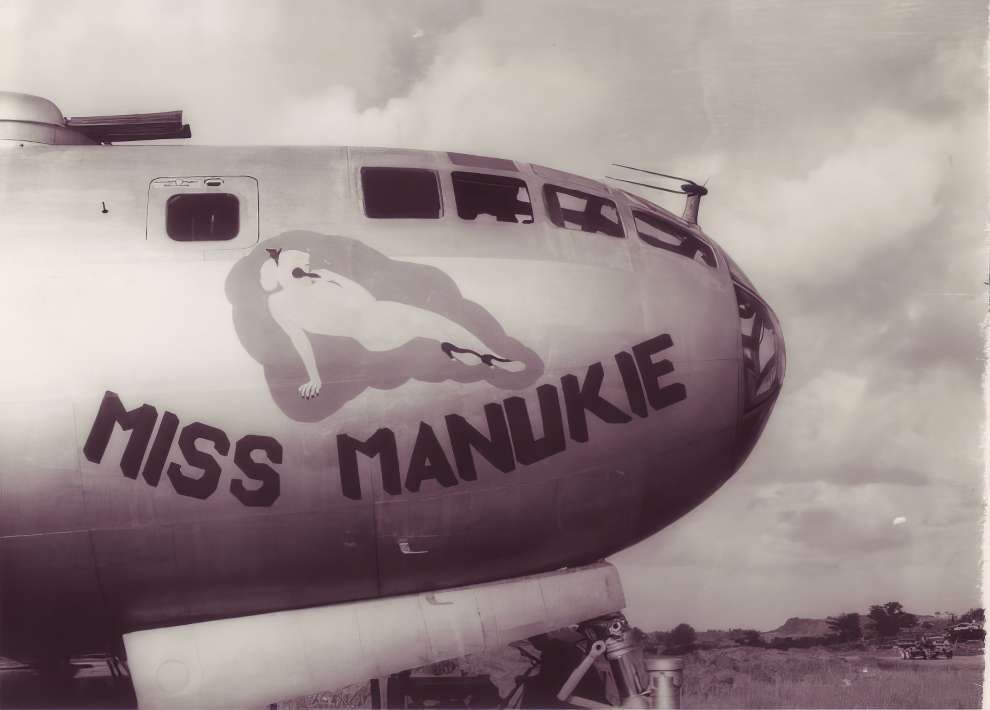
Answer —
(968, 631)
(925, 647)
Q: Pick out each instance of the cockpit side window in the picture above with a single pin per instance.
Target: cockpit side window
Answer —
(400, 193)
(202, 217)
(582, 211)
(215, 212)
(495, 197)
(662, 235)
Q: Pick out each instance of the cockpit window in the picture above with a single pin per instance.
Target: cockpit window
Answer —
(400, 193)
(737, 274)
(573, 209)
(202, 217)
(762, 348)
(662, 235)
(467, 160)
(493, 197)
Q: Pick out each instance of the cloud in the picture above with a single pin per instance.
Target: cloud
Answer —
(833, 530)
(808, 233)
(847, 426)
(805, 549)
(477, 106)
(228, 63)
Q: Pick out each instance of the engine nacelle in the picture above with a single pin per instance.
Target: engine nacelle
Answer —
(255, 660)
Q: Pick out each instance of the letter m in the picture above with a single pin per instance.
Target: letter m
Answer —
(140, 422)
(382, 444)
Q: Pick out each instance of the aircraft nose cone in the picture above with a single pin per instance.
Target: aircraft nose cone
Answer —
(680, 477)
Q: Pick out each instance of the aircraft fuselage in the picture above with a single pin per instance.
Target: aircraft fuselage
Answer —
(331, 405)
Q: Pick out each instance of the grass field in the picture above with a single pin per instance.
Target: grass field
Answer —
(743, 677)
(816, 678)
(729, 677)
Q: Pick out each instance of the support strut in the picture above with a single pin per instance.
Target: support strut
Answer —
(641, 681)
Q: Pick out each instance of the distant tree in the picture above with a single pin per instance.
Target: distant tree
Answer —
(890, 618)
(975, 615)
(869, 627)
(656, 639)
(846, 626)
(682, 638)
(748, 637)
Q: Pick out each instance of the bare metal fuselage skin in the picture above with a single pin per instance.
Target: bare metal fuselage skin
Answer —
(160, 465)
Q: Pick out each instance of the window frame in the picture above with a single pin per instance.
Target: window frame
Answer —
(481, 162)
(242, 187)
(674, 230)
(513, 179)
(553, 209)
(756, 372)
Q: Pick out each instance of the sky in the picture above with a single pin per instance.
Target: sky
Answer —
(844, 144)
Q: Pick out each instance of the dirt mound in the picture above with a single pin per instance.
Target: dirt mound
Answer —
(797, 627)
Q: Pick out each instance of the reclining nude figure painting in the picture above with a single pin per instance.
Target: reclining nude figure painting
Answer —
(307, 301)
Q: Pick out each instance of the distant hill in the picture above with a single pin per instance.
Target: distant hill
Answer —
(801, 627)
(796, 627)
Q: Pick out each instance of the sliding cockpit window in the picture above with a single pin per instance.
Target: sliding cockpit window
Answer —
(202, 217)
(582, 211)
(657, 233)
(400, 193)
(491, 198)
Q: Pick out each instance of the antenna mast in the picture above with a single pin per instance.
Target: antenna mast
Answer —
(692, 190)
